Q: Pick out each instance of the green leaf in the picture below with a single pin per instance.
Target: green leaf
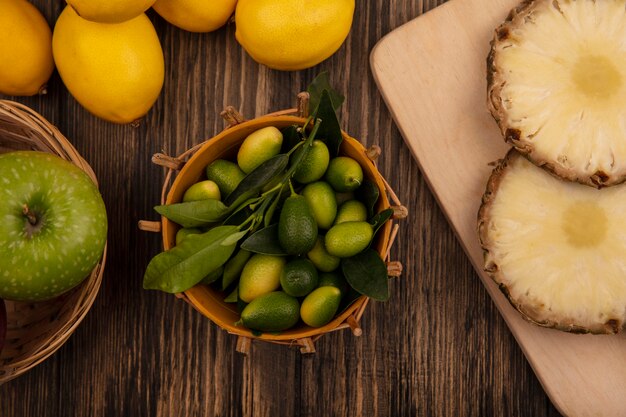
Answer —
(301, 153)
(348, 300)
(213, 276)
(267, 220)
(183, 266)
(233, 296)
(329, 131)
(368, 193)
(234, 238)
(264, 241)
(320, 84)
(297, 157)
(291, 138)
(378, 220)
(240, 215)
(254, 181)
(194, 213)
(367, 274)
(234, 266)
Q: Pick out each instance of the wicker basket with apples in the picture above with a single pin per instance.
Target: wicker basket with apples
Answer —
(51, 260)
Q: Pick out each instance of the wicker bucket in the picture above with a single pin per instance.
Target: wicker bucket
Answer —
(36, 330)
(188, 168)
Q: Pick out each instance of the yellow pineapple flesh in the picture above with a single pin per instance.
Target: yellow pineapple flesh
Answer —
(557, 86)
(556, 248)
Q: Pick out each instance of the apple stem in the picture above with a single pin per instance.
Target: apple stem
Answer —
(32, 219)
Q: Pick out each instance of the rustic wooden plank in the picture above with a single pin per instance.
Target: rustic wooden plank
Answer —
(438, 348)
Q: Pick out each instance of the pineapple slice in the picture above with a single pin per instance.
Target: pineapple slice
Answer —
(556, 248)
(557, 86)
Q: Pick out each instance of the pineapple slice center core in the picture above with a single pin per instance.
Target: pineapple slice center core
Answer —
(596, 76)
(585, 224)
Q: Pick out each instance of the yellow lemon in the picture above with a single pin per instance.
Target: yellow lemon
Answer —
(25, 50)
(292, 34)
(114, 70)
(196, 15)
(110, 11)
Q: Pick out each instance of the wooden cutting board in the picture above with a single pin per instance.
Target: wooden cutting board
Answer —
(431, 73)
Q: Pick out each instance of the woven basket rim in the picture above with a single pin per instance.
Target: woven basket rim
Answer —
(46, 137)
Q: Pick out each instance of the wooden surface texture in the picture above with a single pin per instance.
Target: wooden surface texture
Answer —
(438, 348)
(584, 375)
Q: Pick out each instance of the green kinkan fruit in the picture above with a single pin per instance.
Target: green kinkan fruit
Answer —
(202, 190)
(320, 257)
(186, 232)
(320, 306)
(260, 276)
(226, 174)
(343, 197)
(258, 147)
(333, 279)
(344, 174)
(351, 211)
(271, 312)
(322, 201)
(299, 277)
(347, 239)
(297, 229)
(314, 164)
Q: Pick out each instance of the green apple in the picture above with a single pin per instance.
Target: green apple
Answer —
(203, 190)
(53, 226)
